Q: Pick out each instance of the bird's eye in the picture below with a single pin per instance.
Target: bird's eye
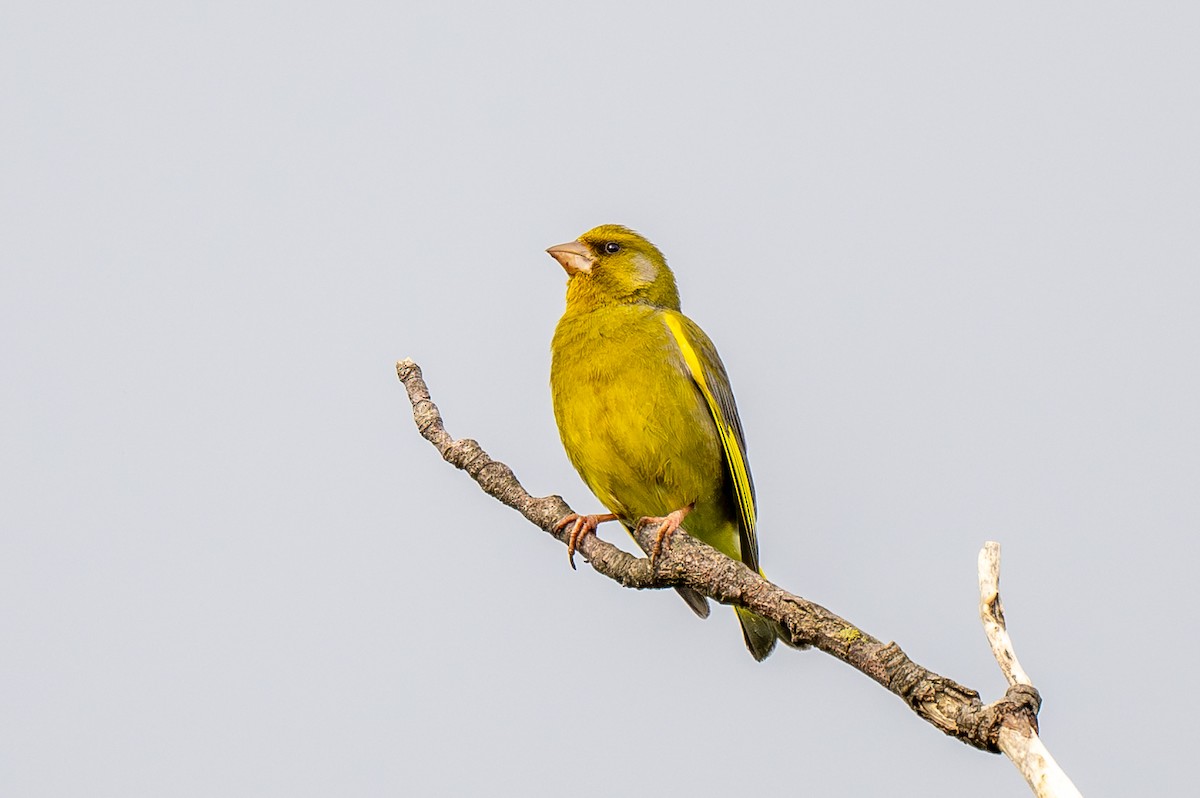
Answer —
(612, 247)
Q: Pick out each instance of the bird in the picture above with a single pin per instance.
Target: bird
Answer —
(646, 412)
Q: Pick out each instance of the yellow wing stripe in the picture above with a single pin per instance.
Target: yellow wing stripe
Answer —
(729, 442)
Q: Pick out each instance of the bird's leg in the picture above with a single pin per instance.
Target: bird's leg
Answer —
(669, 523)
(581, 527)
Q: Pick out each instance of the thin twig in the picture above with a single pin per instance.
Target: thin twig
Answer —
(1018, 739)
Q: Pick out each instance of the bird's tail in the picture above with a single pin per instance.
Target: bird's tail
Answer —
(759, 632)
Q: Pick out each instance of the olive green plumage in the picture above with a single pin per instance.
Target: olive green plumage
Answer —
(644, 405)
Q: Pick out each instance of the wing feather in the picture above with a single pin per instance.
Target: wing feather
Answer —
(708, 372)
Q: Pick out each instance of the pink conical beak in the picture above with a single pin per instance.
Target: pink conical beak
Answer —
(573, 256)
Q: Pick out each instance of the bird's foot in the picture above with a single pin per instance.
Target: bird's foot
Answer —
(668, 524)
(581, 527)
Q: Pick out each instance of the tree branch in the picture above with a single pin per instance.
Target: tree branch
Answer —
(1018, 741)
(952, 708)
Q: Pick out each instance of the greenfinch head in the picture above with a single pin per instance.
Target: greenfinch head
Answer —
(612, 264)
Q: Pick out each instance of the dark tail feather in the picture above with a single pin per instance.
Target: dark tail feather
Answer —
(696, 601)
(759, 632)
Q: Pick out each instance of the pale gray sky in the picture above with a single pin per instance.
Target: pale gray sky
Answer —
(949, 256)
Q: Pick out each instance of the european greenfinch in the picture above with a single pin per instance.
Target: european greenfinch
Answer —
(645, 409)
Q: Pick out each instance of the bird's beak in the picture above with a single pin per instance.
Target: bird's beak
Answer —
(573, 256)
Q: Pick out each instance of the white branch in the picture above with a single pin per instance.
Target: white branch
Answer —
(991, 612)
(1018, 741)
